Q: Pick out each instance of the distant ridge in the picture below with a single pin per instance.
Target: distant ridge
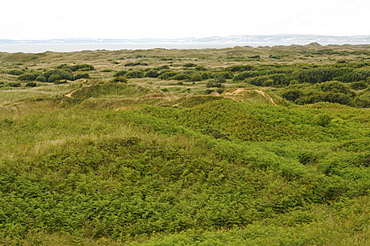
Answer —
(286, 38)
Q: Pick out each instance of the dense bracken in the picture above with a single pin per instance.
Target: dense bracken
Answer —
(279, 156)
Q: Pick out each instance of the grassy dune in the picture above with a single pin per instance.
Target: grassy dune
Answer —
(179, 151)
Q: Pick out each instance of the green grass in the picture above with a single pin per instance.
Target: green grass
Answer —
(99, 163)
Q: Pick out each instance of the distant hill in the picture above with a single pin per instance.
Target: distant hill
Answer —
(286, 38)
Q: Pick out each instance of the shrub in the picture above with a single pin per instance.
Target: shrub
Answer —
(215, 83)
(181, 76)
(199, 68)
(41, 78)
(167, 75)
(80, 67)
(323, 120)
(54, 77)
(119, 79)
(239, 68)
(31, 84)
(164, 67)
(28, 77)
(59, 82)
(120, 73)
(358, 85)
(246, 74)
(135, 64)
(334, 86)
(152, 74)
(189, 65)
(292, 94)
(269, 80)
(224, 75)
(135, 74)
(64, 73)
(196, 77)
(216, 133)
(81, 76)
(307, 157)
(15, 72)
(338, 98)
(14, 84)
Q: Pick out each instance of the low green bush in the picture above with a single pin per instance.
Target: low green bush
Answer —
(120, 73)
(79, 67)
(81, 76)
(167, 75)
(119, 79)
(152, 73)
(15, 72)
(130, 64)
(14, 84)
(28, 76)
(31, 84)
(135, 74)
(239, 68)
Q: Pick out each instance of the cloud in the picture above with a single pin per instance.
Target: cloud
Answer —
(40, 19)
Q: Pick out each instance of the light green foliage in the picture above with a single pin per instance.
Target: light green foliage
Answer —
(28, 76)
(150, 162)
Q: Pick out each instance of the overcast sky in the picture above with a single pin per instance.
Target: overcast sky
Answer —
(45, 19)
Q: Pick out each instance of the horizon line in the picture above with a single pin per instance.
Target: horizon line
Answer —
(178, 38)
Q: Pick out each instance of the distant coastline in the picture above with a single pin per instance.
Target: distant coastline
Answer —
(79, 44)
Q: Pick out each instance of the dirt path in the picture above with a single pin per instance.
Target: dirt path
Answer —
(241, 90)
(70, 95)
(267, 96)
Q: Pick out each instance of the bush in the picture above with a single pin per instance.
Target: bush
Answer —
(59, 82)
(28, 77)
(31, 84)
(215, 83)
(135, 74)
(119, 79)
(358, 85)
(167, 75)
(54, 77)
(181, 76)
(152, 74)
(335, 87)
(323, 120)
(292, 94)
(246, 74)
(189, 65)
(15, 72)
(41, 78)
(135, 64)
(269, 80)
(201, 68)
(196, 77)
(216, 133)
(80, 67)
(120, 73)
(224, 75)
(14, 84)
(239, 68)
(81, 76)
(58, 74)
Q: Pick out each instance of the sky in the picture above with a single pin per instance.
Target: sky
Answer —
(45, 19)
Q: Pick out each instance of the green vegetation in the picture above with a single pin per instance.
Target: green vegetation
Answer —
(241, 146)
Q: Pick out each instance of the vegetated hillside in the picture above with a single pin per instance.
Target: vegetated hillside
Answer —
(118, 159)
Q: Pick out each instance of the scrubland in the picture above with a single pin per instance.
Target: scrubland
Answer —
(238, 146)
